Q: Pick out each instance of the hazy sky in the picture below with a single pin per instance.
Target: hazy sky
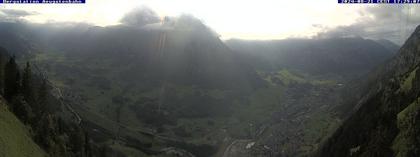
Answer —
(247, 19)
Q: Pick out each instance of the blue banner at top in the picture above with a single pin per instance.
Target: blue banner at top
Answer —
(379, 1)
(42, 1)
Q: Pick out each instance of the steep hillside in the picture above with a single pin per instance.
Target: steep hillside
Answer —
(385, 122)
(42, 115)
(15, 139)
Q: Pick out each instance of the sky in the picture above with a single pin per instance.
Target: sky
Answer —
(244, 19)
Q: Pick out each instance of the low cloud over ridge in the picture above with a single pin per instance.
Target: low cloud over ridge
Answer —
(140, 16)
(392, 22)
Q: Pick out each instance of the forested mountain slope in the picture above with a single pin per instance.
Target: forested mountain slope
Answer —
(34, 121)
(386, 120)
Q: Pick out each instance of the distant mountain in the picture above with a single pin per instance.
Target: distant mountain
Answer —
(389, 45)
(18, 38)
(386, 120)
(189, 56)
(343, 56)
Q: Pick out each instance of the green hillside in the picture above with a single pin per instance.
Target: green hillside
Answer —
(15, 140)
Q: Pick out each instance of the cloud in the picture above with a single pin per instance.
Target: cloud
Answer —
(140, 17)
(13, 15)
(391, 22)
(16, 13)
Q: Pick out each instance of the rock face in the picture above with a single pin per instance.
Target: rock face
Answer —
(386, 120)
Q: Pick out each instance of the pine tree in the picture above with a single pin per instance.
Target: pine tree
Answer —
(21, 109)
(77, 140)
(11, 79)
(3, 59)
(27, 89)
(87, 146)
(2, 63)
(45, 132)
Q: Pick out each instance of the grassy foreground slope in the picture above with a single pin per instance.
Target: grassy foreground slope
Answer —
(15, 140)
